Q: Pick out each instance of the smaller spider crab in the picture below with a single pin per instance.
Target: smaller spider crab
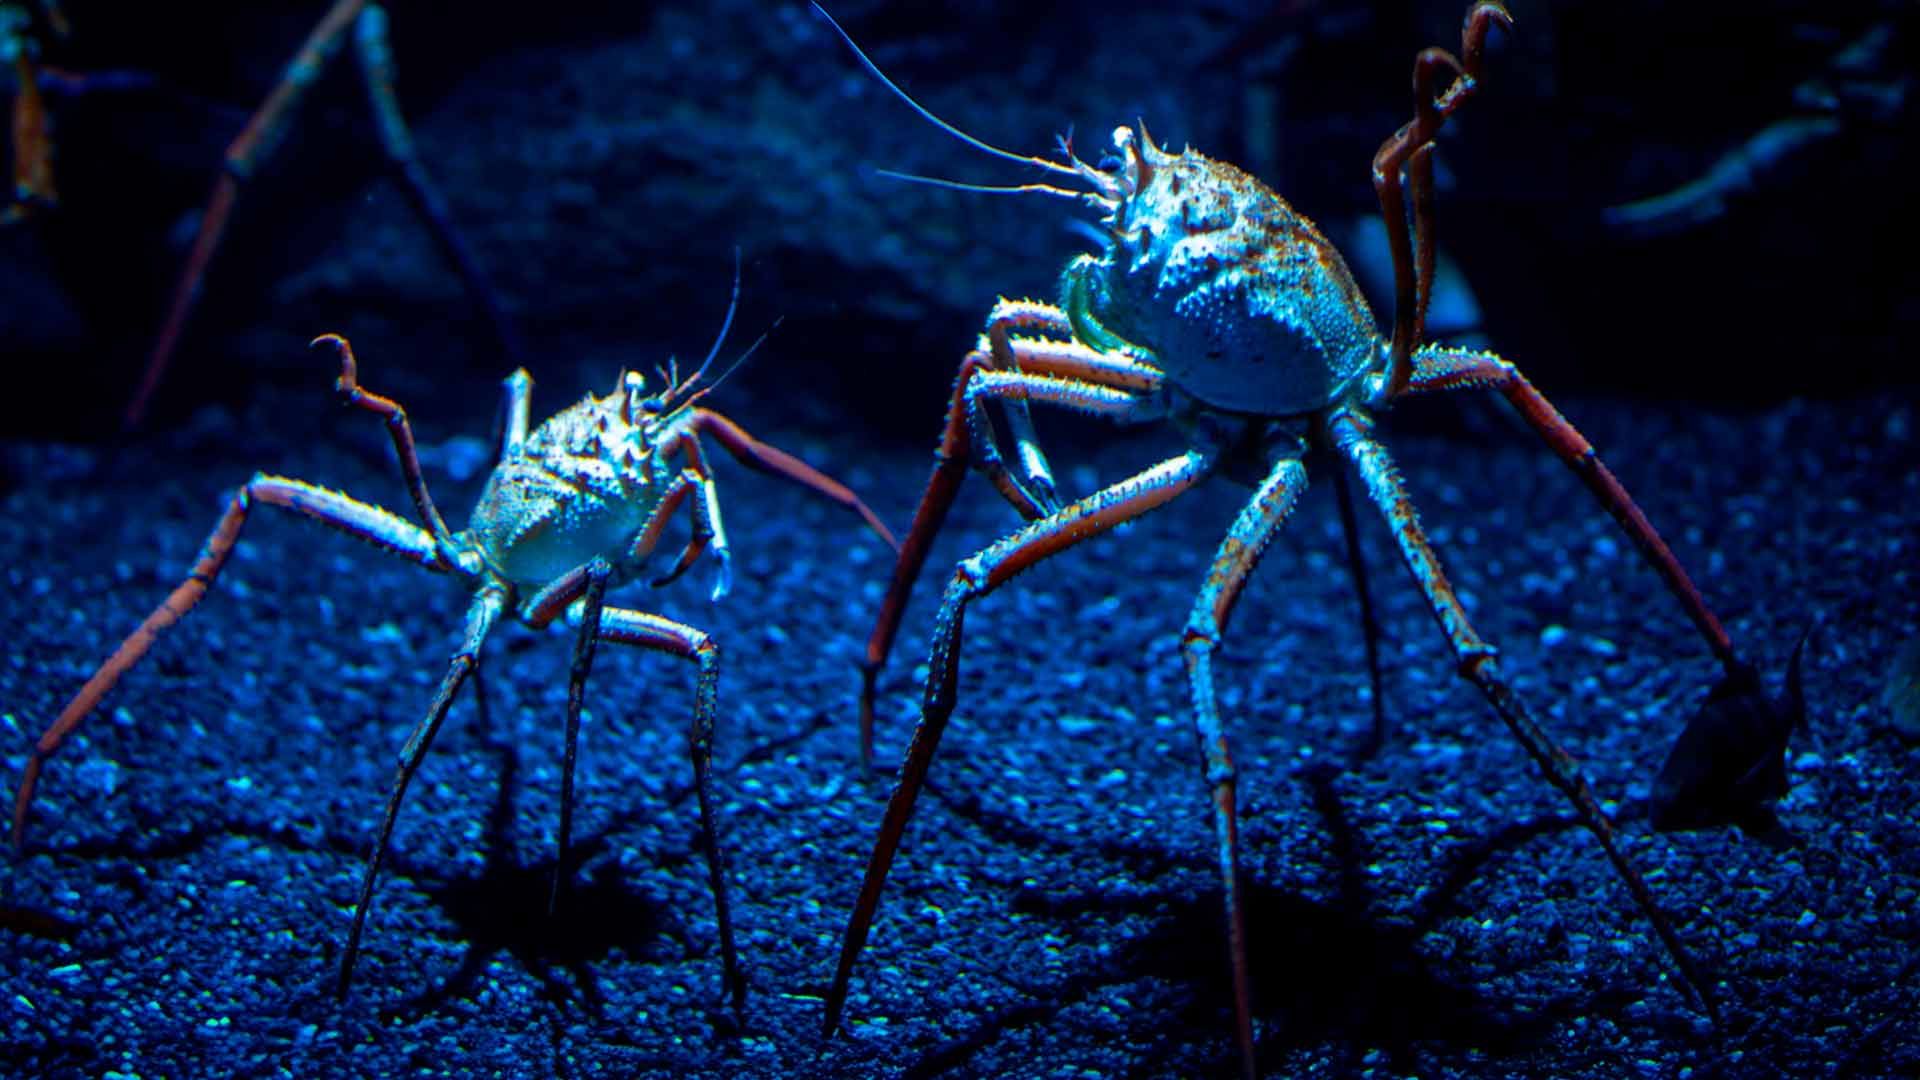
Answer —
(575, 507)
(1216, 307)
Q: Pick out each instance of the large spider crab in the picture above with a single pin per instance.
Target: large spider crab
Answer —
(575, 507)
(1216, 307)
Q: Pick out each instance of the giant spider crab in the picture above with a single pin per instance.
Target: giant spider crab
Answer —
(1218, 308)
(575, 507)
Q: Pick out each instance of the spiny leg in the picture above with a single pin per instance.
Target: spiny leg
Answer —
(347, 385)
(629, 627)
(1479, 666)
(33, 188)
(1256, 525)
(973, 578)
(958, 442)
(481, 615)
(253, 145)
(1410, 148)
(376, 64)
(767, 458)
(381, 528)
(1437, 368)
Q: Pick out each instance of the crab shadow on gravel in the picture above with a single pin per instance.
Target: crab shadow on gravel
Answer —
(1329, 971)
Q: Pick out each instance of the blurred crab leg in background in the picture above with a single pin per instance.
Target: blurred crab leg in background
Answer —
(1856, 84)
(263, 134)
(32, 134)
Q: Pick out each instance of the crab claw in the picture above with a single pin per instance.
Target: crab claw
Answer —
(1729, 764)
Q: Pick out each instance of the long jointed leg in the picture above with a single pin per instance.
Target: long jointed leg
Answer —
(767, 458)
(377, 69)
(1451, 369)
(254, 143)
(1479, 666)
(967, 439)
(1232, 565)
(973, 578)
(592, 604)
(628, 627)
(379, 527)
(481, 615)
(1411, 148)
(347, 385)
(1369, 622)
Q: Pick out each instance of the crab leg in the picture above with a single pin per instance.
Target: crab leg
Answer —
(1437, 368)
(379, 527)
(973, 578)
(257, 140)
(1410, 148)
(376, 66)
(1478, 665)
(1369, 622)
(1066, 359)
(481, 615)
(766, 458)
(628, 627)
(592, 603)
(1232, 565)
(395, 417)
(263, 134)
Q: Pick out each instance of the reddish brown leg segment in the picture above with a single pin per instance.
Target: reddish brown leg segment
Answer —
(1409, 148)
(967, 439)
(1479, 666)
(1451, 369)
(975, 577)
(1232, 565)
(755, 454)
(254, 143)
(347, 385)
(370, 523)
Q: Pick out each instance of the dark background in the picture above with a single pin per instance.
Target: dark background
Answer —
(1431, 911)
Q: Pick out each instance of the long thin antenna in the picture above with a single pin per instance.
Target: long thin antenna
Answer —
(733, 306)
(996, 189)
(873, 68)
(731, 368)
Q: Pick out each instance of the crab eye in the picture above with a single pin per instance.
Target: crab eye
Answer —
(633, 388)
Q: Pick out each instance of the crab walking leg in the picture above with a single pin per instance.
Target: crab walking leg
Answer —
(1232, 565)
(591, 603)
(1478, 665)
(1369, 622)
(1070, 361)
(1413, 141)
(254, 143)
(381, 528)
(1437, 368)
(1007, 316)
(347, 385)
(755, 454)
(481, 615)
(376, 65)
(32, 143)
(628, 627)
(975, 577)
